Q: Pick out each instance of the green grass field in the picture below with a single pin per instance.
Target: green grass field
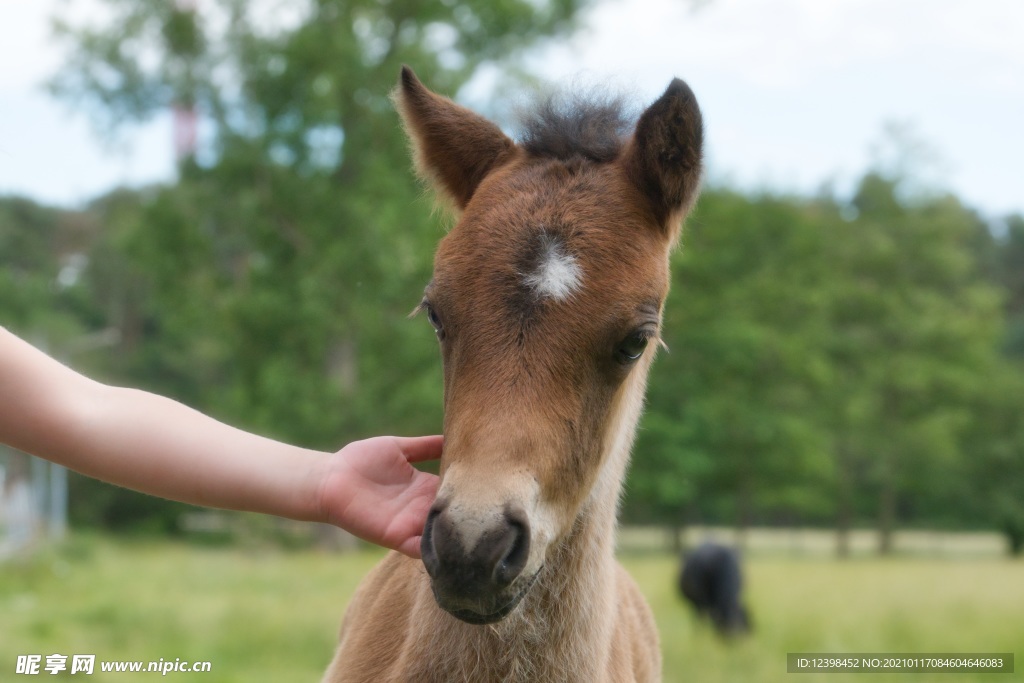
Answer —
(272, 615)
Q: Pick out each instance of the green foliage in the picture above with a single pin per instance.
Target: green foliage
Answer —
(915, 331)
(271, 284)
(31, 241)
(830, 360)
(826, 360)
(726, 401)
(1009, 272)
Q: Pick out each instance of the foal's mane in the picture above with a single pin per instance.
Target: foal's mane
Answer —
(592, 123)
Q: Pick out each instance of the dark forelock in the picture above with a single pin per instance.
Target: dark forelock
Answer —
(592, 124)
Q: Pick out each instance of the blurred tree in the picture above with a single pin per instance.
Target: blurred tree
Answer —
(821, 354)
(41, 263)
(1010, 274)
(990, 478)
(29, 262)
(825, 359)
(270, 285)
(995, 443)
(1007, 463)
(732, 427)
(914, 327)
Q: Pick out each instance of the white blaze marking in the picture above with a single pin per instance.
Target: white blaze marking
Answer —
(557, 275)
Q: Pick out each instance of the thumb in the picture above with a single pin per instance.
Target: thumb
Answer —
(420, 448)
(411, 547)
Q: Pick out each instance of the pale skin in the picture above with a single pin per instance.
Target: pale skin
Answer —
(153, 444)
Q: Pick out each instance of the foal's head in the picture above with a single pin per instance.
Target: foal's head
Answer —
(547, 299)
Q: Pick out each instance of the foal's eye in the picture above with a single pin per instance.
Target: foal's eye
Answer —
(632, 347)
(435, 320)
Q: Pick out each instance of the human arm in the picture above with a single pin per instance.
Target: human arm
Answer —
(158, 446)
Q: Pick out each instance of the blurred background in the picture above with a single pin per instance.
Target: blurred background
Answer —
(212, 200)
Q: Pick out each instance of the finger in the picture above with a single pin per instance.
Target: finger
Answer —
(411, 547)
(420, 448)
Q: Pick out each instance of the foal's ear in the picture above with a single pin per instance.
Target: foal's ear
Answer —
(664, 156)
(452, 146)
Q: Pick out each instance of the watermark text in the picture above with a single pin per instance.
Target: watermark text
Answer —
(53, 664)
(899, 662)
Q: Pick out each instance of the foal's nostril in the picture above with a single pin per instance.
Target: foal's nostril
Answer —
(427, 548)
(517, 551)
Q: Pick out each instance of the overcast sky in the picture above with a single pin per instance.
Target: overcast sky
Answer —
(795, 93)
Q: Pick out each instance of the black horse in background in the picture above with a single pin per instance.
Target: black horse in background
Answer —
(711, 580)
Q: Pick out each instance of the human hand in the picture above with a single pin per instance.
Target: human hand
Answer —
(371, 489)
